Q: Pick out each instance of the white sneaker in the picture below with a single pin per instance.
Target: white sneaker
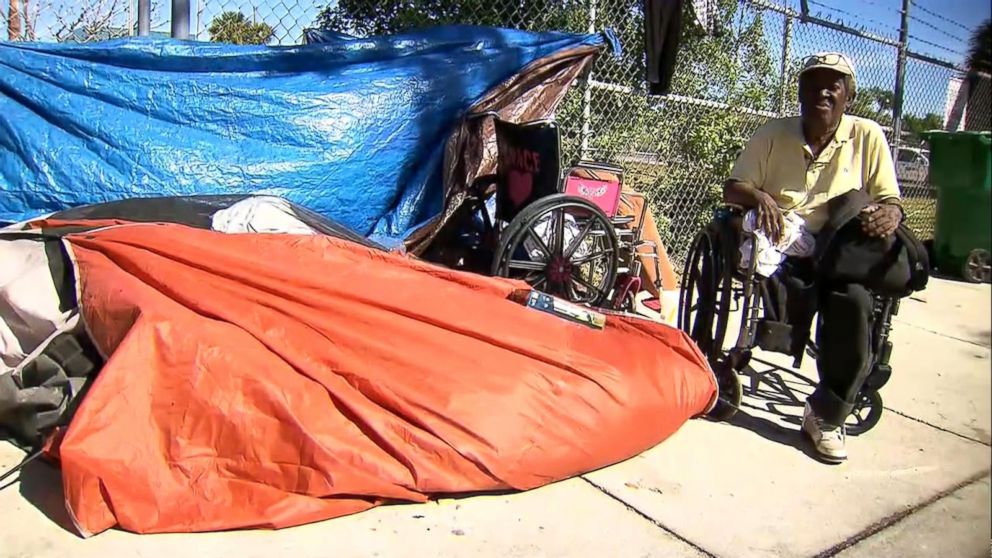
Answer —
(828, 439)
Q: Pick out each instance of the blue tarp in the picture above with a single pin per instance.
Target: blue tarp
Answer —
(324, 36)
(351, 128)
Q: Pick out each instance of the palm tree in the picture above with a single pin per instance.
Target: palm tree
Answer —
(980, 49)
(234, 27)
(979, 65)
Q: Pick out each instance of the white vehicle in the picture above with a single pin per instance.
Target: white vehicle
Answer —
(912, 165)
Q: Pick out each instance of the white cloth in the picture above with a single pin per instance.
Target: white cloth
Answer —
(29, 302)
(545, 232)
(796, 241)
(259, 214)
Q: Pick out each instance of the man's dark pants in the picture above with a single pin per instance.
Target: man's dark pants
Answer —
(843, 336)
(845, 353)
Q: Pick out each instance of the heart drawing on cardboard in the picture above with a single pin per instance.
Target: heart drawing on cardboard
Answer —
(520, 185)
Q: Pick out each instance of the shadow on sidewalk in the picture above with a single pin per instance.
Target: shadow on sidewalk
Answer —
(772, 407)
(41, 486)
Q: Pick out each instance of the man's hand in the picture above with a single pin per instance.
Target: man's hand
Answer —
(881, 220)
(770, 217)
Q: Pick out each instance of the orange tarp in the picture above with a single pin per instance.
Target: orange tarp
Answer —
(274, 380)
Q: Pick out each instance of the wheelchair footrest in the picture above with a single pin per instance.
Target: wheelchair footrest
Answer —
(878, 377)
(774, 336)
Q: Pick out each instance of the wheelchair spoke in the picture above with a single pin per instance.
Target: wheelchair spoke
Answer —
(543, 280)
(570, 292)
(592, 289)
(593, 257)
(528, 265)
(558, 238)
(577, 241)
(540, 243)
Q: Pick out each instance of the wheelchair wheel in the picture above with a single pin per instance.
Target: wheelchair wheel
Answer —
(706, 293)
(561, 245)
(978, 267)
(704, 313)
(729, 391)
(866, 414)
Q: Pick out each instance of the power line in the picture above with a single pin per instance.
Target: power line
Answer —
(938, 16)
(882, 26)
(937, 29)
(887, 7)
(926, 42)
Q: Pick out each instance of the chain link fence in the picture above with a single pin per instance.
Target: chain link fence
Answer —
(282, 22)
(71, 20)
(737, 67)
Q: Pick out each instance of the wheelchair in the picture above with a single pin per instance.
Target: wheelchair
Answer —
(560, 232)
(713, 287)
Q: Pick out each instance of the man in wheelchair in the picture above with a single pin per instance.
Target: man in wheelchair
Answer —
(828, 177)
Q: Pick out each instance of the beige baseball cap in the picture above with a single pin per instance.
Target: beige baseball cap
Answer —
(836, 61)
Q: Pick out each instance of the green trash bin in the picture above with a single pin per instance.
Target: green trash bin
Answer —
(961, 171)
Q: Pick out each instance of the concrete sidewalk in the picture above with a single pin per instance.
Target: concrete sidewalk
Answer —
(916, 485)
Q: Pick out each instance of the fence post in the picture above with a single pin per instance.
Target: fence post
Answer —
(180, 19)
(897, 96)
(786, 53)
(144, 17)
(14, 20)
(198, 10)
(587, 92)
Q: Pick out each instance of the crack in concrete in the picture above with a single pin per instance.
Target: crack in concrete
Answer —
(652, 520)
(895, 518)
(941, 428)
(944, 335)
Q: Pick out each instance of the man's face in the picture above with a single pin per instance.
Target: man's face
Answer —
(823, 96)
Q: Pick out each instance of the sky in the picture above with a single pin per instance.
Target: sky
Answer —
(938, 28)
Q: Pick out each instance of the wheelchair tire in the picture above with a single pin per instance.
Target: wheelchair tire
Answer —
(866, 414)
(977, 268)
(729, 392)
(556, 274)
(708, 272)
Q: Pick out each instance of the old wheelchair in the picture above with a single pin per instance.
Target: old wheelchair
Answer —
(561, 232)
(716, 292)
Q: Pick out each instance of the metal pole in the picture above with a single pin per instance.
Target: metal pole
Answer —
(587, 94)
(199, 21)
(786, 53)
(180, 19)
(897, 96)
(144, 18)
(14, 19)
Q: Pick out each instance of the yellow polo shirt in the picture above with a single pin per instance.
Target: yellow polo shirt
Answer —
(778, 161)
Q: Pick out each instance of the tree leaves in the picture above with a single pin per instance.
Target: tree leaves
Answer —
(233, 27)
(980, 48)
